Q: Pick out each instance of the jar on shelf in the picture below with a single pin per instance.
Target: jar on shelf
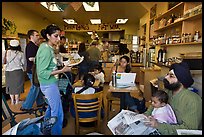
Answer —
(196, 36)
(183, 38)
(189, 37)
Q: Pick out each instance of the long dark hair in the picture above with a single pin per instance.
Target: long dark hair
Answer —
(82, 47)
(18, 48)
(88, 82)
(128, 68)
(49, 30)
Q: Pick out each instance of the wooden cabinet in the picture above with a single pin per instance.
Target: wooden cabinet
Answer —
(189, 20)
(135, 68)
(147, 74)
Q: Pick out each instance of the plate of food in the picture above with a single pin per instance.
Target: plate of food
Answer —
(73, 61)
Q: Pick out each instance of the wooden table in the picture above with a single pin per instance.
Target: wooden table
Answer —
(79, 83)
(124, 91)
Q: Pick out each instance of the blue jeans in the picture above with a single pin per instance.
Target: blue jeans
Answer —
(52, 94)
(34, 95)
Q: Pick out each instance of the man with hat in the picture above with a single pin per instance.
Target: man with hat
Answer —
(185, 103)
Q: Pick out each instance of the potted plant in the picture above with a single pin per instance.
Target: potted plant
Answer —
(8, 25)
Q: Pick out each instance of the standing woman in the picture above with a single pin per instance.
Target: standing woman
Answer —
(46, 66)
(14, 60)
(83, 66)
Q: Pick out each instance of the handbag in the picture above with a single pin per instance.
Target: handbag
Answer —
(34, 76)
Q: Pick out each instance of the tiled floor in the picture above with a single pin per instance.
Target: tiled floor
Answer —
(70, 128)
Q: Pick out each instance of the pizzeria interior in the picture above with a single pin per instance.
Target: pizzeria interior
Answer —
(154, 36)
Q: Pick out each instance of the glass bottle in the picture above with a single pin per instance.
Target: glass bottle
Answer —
(196, 36)
(164, 55)
(160, 55)
(114, 79)
(189, 37)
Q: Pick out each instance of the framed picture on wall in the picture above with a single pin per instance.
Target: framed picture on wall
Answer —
(153, 11)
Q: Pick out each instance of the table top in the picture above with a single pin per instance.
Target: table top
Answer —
(125, 89)
(78, 83)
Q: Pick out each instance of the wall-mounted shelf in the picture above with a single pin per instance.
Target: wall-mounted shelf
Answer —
(178, 7)
(198, 16)
(169, 26)
(190, 43)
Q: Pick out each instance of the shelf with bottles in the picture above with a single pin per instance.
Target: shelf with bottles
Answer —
(177, 44)
(178, 7)
(179, 22)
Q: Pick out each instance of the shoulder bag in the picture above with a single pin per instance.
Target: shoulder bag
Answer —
(34, 75)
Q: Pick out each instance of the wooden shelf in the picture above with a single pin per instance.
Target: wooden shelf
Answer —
(190, 43)
(169, 26)
(198, 16)
(194, 17)
(160, 64)
(175, 8)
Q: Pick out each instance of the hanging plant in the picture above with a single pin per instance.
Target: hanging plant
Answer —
(8, 25)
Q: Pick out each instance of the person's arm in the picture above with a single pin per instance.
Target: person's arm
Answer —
(5, 56)
(64, 69)
(149, 111)
(32, 59)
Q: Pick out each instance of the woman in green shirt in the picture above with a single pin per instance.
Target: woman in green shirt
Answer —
(47, 75)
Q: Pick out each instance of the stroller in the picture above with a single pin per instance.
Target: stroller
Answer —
(65, 87)
(34, 126)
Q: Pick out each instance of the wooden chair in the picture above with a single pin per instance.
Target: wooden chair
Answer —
(110, 98)
(8, 116)
(93, 106)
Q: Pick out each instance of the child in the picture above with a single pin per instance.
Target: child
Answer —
(98, 73)
(160, 109)
(88, 81)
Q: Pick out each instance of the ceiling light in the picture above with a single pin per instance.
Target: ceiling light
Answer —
(121, 21)
(70, 21)
(89, 32)
(51, 6)
(95, 21)
(91, 6)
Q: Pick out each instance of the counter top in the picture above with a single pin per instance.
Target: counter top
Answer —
(150, 69)
(137, 65)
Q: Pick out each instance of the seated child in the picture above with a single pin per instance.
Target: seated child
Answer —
(88, 81)
(160, 108)
(98, 73)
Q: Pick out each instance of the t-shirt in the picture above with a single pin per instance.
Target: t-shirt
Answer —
(31, 51)
(45, 64)
(164, 114)
(94, 53)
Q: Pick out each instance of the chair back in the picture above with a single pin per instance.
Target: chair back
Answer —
(87, 103)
